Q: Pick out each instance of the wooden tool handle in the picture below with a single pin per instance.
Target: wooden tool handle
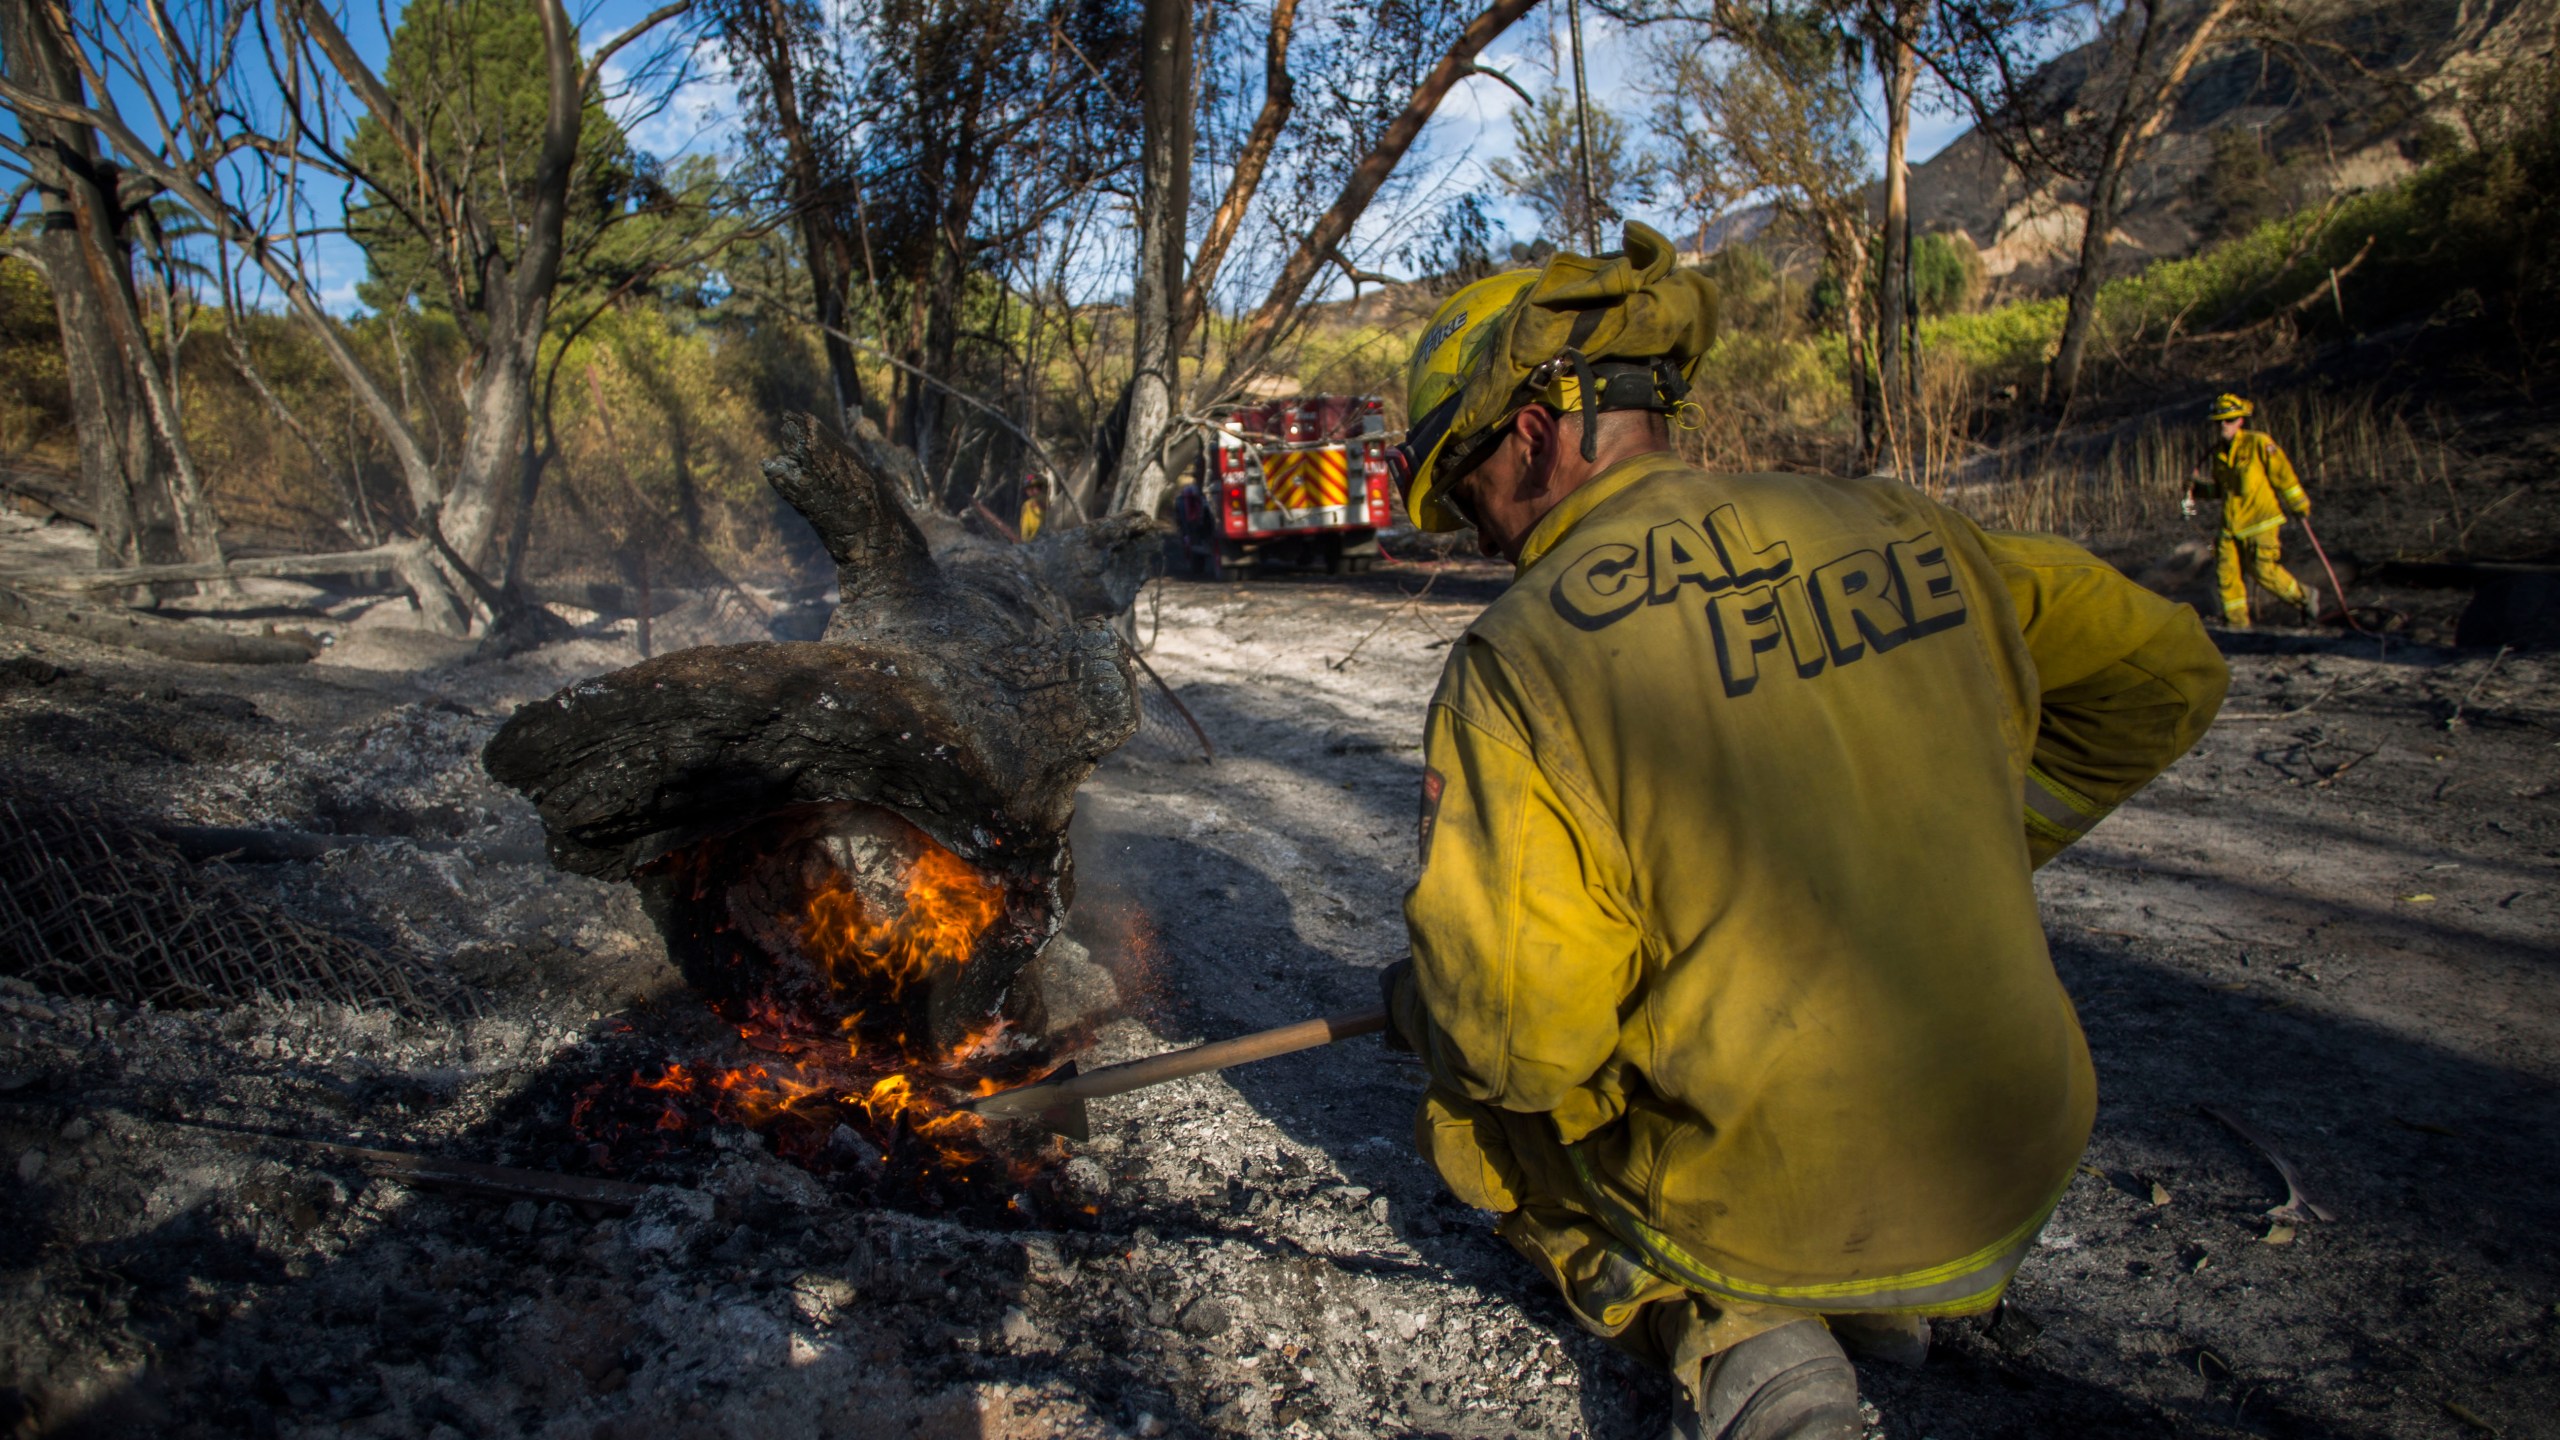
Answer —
(1175, 1064)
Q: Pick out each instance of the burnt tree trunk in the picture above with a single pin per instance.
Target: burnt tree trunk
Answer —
(146, 511)
(960, 695)
(1897, 348)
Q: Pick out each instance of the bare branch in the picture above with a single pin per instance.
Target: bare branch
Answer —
(1279, 97)
(1489, 73)
(1038, 451)
(425, 491)
(647, 23)
(1262, 328)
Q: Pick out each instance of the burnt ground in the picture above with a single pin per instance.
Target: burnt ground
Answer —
(2335, 919)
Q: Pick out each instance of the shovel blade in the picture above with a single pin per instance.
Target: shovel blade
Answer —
(1066, 1119)
(1063, 1115)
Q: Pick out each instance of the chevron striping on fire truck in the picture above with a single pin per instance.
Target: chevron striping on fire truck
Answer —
(1303, 480)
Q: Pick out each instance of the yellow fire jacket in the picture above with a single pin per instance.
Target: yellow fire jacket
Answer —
(2250, 474)
(1731, 802)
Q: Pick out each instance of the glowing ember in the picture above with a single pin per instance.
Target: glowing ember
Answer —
(844, 1083)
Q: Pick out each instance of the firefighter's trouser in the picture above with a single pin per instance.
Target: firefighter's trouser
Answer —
(1505, 1161)
(2241, 559)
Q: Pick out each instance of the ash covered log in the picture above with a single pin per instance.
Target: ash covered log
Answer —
(177, 639)
(777, 803)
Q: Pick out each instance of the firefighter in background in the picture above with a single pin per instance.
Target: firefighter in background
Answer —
(1034, 507)
(1194, 524)
(1727, 968)
(2255, 482)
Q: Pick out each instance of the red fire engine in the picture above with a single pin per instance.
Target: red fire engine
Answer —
(1303, 479)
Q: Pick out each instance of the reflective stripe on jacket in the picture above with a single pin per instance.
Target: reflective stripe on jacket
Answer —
(1731, 802)
(2257, 485)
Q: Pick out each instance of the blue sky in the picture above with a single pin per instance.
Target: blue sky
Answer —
(1473, 128)
(1471, 131)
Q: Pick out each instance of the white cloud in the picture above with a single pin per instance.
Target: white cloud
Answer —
(701, 118)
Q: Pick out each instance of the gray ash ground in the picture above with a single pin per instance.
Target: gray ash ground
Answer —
(1263, 1254)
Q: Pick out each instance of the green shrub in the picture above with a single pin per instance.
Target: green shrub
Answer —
(1946, 273)
(2004, 344)
(35, 403)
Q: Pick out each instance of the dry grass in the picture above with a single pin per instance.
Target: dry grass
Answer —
(2128, 478)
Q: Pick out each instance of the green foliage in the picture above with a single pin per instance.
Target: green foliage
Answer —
(1784, 380)
(2005, 344)
(471, 75)
(2476, 233)
(1946, 273)
(1770, 372)
(1547, 173)
(1751, 294)
(676, 449)
(35, 401)
(2431, 141)
(1363, 359)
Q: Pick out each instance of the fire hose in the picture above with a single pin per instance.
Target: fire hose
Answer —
(1058, 1101)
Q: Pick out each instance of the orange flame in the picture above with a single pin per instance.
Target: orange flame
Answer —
(948, 906)
(817, 1071)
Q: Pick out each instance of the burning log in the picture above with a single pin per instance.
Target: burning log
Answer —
(856, 845)
(955, 702)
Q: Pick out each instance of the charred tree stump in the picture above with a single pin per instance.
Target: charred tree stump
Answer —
(760, 794)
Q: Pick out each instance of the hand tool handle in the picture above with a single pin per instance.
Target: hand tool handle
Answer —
(2335, 587)
(1175, 1064)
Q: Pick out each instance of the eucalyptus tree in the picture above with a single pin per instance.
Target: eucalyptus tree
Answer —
(1305, 177)
(1766, 111)
(270, 126)
(1547, 167)
(800, 132)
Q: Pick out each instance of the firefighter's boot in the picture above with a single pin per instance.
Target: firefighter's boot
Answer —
(1791, 1383)
(1890, 1339)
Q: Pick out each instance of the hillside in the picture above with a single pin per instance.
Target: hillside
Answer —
(2334, 98)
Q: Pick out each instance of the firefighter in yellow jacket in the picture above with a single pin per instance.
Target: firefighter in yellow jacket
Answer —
(1035, 508)
(1726, 960)
(2255, 482)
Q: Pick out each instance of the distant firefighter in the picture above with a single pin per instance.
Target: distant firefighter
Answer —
(1192, 517)
(2257, 487)
(1034, 508)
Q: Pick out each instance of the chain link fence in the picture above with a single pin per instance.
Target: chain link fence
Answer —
(98, 905)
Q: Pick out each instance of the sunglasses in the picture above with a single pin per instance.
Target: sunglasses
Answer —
(1405, 459)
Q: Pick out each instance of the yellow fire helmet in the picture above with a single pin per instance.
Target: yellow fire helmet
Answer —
(1452, 349)
(2231, 407)
(1622, 331)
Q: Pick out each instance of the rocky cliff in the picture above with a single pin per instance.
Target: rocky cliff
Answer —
(2299, 104)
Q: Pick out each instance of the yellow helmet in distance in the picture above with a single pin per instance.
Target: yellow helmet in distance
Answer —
(2231, 407)
(1452, 349)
